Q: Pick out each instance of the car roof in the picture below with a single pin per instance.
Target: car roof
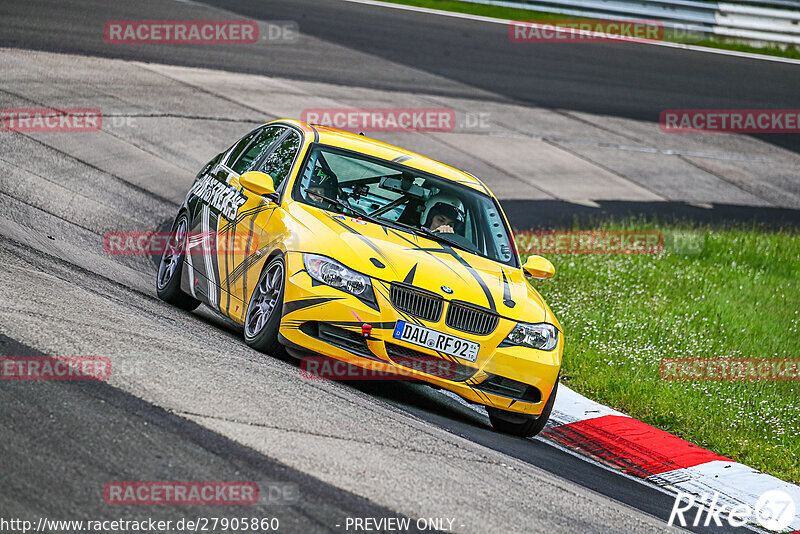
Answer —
(372, 147)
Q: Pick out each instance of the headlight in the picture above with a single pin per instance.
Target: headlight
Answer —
(542, 336)
(331, 272)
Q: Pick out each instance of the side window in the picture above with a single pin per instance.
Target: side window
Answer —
(241, 145)
(261, 144)
(468, 223)
(279, 162)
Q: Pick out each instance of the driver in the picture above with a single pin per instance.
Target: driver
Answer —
(442, 213)
(322, 184)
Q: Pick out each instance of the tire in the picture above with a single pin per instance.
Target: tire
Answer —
(264, 311)
(525, 426)
(168, 278)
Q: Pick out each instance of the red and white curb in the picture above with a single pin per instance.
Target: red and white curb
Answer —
(641, 450)
(637, 449)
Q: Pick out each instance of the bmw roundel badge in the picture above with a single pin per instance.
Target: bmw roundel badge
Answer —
(447, 290)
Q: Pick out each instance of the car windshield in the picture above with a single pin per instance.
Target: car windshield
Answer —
(405, 199)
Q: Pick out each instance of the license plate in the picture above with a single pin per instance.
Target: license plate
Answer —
(425, 337)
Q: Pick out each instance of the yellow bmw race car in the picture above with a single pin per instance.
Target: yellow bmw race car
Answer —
(324, 242)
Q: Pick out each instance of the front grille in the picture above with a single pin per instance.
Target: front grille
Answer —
(432, 365)
(416, 302)
(341, 337)
(471, 320)
(501, 385)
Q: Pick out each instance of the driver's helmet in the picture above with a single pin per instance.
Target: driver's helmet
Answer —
(445, 204)
(327, 181)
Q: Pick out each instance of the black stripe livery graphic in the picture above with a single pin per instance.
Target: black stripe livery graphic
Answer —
(229, 254)
(416, 247)
(366, 240)
(455, 255)
(250, 234)
(383, 325)
(483, 395)
(296, 305)
(246, 213)
(369, 303)
(507, 292)
(241, 270)
(409, 279)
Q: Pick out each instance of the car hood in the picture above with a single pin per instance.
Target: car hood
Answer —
(395, 256)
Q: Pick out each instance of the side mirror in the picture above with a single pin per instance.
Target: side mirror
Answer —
(258, 182)
(539, 267)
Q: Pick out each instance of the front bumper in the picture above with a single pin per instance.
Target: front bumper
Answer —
(324, 320)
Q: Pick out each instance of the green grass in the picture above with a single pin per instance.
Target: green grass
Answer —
(525, 14)
(737, 295)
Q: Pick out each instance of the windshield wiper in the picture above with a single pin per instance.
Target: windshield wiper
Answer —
(333, 201)
(436, 236)
(347, 206)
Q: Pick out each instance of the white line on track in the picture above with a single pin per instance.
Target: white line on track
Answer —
(493, 20)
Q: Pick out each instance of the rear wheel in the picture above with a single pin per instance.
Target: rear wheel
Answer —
(518, 424)
(263, 315)
(168, 280)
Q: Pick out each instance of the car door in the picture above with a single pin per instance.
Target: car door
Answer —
(260, 224)
(215, 202)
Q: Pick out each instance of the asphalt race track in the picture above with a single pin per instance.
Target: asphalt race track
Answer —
(400, 50)
(188, 400)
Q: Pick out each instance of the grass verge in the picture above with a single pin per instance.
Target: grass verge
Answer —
(511, 13)
(737, 295)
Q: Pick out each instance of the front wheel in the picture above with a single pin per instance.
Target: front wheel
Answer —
(525, 426)
(263, 315)
(168, 279)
